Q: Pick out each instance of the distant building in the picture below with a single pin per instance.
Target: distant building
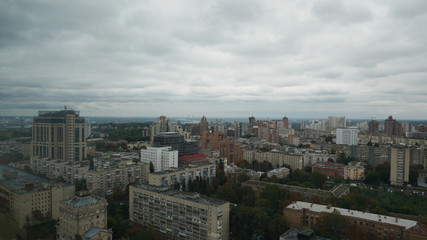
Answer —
(162, 125)
(170, 139)
(336, 122)
(59, 135)
(278, 172)
(373, 127)
(85, 217)
(180, 215)
(162, 158)
(329, 169)
(22, 193)
(285, 122)
(399, 167)
(348, 136)
(392, 128)
(305, 214)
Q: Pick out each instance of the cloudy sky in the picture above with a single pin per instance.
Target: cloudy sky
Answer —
(219, 58)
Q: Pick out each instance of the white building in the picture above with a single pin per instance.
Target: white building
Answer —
(162, 158)
(348, 136)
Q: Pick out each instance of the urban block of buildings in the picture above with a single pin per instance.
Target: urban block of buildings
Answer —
(182, 175)
(22, 193)
(180, 215)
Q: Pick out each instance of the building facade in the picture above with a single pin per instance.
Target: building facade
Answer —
(305, 214)
(22, 193)
(82, 216)
(399, 166)
(180, 215)
(162, 158)
(329, 169)
(59, 135)
(392, 128)
(182, 175)
(348, 136)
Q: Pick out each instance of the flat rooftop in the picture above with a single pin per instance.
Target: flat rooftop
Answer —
(78, 202)
(351, 213)
(177, 170)
(22, 182)
(189, 196)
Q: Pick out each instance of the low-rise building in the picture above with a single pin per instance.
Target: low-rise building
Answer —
(85, 217)
(305, 214)
(278, 172)
(300, 234)
(354, 170)
(180, 215)
(329, 169)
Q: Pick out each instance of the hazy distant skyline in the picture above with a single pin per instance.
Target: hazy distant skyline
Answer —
(295, 58)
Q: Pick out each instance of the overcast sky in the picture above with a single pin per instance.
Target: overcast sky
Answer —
(227, 58)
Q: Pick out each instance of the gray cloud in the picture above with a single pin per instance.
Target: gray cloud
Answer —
(214, 58)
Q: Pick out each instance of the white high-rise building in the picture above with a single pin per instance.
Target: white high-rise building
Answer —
(161, 157)
(348, 136)
(336, 122)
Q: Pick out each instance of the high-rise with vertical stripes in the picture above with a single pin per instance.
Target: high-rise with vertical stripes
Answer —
(59, 135)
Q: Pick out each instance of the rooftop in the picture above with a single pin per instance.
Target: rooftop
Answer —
(174, 170)
(22, 182)
(92, 232)
(82, 201)
(298, 233)
(189, 196)
(351, 213)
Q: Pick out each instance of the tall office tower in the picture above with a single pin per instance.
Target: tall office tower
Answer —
(180, 215)
(161, 157)
(373, 127)
(85, 217)
(399, 167)
(348, 136)
(392, 128)
(336, 122)
(162, 124)
(59, 135)
(285, 121)
(170, 139)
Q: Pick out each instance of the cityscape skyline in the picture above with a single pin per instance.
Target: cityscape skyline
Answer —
(304, 59)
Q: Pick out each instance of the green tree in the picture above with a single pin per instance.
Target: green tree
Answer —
(333, 226)
(151, 167)
(277, 226)
(372, 178)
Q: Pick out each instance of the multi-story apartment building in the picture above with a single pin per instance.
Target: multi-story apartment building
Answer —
(311, 158)
(392, 127)
(336, 122)
(373, 127)
(399, 166)
(347, 136)
(354, 170)
(60, 170)
(59, 135)
(107, 175)
(305, 214)
(276, 158)
(170, 139)
(22, 193)
(329, 169)
(85, 217)
(162, 158)
(106, 181)
(182, 175)
(180, 215)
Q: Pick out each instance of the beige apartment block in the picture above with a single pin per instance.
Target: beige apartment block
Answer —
(106, 181)
(59, 135)
(275, 157)
(22, 193)
(399, 166)
(59, 169)
(83, 216)
(181, 175)
(354, 171)
(180, 215)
